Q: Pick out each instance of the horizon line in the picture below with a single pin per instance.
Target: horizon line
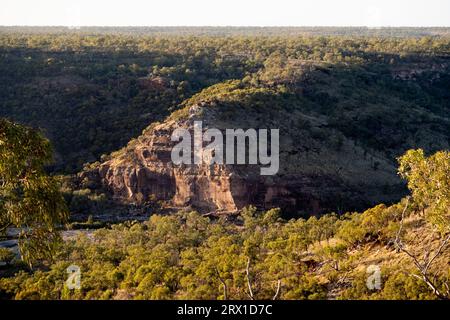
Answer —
(221, 26)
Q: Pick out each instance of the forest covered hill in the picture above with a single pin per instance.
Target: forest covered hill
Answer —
(341, 130)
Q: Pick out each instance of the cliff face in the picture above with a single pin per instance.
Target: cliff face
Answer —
(145, 171)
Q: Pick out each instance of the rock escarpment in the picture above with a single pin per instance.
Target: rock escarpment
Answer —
(144, 171)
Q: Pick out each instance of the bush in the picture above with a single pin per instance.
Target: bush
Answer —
(6, 255)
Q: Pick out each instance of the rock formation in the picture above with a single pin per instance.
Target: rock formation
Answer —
(144, 171)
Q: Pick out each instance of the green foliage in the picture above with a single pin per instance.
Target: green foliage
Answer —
(379, 223)
(396, 285)
(182, 255)
(429, 182)
(403, 286)
(29, 199)
(188, 256)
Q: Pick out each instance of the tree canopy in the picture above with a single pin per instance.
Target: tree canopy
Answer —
(29, 199)
(429, 182)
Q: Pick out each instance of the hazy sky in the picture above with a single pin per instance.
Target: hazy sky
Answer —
(226, 12)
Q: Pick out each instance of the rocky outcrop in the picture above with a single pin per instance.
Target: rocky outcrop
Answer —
(144, 171)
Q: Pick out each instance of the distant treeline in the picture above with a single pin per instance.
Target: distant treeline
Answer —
(236, 31)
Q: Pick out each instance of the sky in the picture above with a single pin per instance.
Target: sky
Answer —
(371, 13)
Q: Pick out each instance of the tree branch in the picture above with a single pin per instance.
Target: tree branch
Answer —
(422, 268)
(247, 272)
(441, 247)
(278, 290)
(225, 287)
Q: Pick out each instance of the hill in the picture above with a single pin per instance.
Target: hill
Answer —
(341, 129)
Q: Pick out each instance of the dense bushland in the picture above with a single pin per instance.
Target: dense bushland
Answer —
(259, 255)
(93, 92)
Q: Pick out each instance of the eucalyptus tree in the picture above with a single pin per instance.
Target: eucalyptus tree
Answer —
(29, 198)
